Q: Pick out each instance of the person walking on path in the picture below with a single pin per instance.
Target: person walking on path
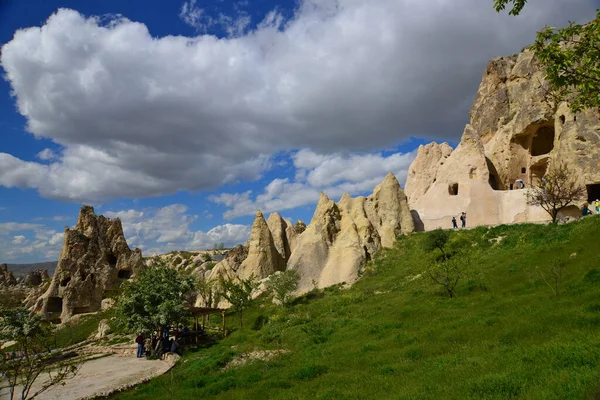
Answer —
(454, 224)
(597, 206)
(140, 342)
(463, 219)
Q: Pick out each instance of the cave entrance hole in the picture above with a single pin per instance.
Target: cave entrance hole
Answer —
(543, 141)
(124, 274)
(55, 304)
(593, 192)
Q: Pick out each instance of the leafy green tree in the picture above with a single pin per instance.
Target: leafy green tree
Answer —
(208, 292)
(239, 294)
(558, 189)
(157, 297)
(283, 284)
(517, 5)
(570, 57)
(33, 356)
(221, 246)
(437, 239)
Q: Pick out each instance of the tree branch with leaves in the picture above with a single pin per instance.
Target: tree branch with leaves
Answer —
(33, 359)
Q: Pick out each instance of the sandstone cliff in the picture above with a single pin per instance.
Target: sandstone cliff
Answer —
(343, 236)
(95, 257)
(263, 256)
(515, 132)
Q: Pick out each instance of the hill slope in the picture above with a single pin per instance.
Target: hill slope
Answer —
(395, 336)
(23, 269)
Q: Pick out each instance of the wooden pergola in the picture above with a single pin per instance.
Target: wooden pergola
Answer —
(203, 312)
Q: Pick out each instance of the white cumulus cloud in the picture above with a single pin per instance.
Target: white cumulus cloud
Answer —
(333, 174)
(138, 115)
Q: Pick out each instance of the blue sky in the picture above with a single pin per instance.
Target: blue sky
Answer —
(184, 117)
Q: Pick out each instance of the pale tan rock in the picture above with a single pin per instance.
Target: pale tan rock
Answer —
(263, 258)
(103, 329)
(522, 133)
(279, 231)
(343, 236)
(388, 211)
(423, 170)
(107, 304)
(95, 257)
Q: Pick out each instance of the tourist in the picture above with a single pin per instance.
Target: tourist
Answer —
(520, 183)
(463, 219)
(140, 342)
(597, 206)
(454, 224)
(585, 210)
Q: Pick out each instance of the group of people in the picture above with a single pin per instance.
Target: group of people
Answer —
(463, 221)
(163, 343)
(585, 210)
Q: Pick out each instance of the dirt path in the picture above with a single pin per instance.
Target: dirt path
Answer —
(105, 375)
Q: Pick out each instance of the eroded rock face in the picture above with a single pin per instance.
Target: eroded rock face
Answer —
(35, 278)
(515, 132)
(95, 257)
(343, 236)
(263, 257)
(6, 277)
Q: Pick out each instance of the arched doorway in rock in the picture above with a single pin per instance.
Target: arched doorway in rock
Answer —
(543, 141)
(55, 305)
(494, 178)
(593, 192)
(124, 274)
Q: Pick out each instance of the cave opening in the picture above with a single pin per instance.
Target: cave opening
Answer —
(55, 305)
(494, 178)
(537, 172)
(124, 274)
(543, 141)
(453, 189)
(65, 281)
(593, 192)
(112, 260)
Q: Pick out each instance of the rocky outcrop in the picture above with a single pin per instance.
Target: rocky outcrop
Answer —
(95, 258)
(6, 277)
(284, 235)
(422, 172)
(35, 278)
(299, 227)
(343, 236)
(515, 133)
(263, 257)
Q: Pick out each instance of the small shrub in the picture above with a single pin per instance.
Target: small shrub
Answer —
(593, 276)
(260, 322)
(311, 372)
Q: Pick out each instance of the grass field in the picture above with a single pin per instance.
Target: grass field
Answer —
(394, 335)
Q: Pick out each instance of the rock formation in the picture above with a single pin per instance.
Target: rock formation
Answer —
(343, 236)
(299, 227)
(35, 278)
(6, 277)
(515, 132)
(263, 257)
(284, 235)
(95, 257)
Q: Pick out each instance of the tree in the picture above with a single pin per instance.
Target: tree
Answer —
(570, 57)
(554, 275)
(33, 356)
(208, 292)
(437, 239)
(157, 297)
(558, 189)
(517, 5)
(221, 246)
(239, 294)
(283, 284)
(449, 271)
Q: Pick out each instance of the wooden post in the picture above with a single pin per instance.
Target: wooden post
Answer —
(223, 317)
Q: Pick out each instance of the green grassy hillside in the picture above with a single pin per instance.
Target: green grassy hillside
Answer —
(394, 335)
